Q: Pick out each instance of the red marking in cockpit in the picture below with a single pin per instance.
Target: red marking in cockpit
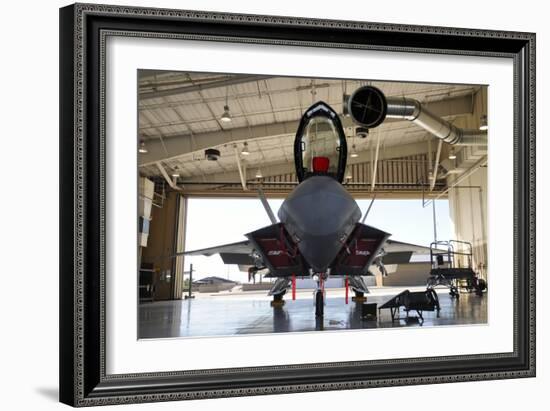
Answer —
(320, 164)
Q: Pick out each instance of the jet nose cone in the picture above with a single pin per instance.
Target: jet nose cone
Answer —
(320, 251)
(320, 213)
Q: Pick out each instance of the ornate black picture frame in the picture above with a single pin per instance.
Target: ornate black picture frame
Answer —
(83, 30)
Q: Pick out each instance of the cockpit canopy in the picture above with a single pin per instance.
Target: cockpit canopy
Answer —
(320, 146)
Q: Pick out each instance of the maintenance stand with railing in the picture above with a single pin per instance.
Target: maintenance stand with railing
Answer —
(452, 268)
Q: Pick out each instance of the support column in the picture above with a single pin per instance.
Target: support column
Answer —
(180, 247)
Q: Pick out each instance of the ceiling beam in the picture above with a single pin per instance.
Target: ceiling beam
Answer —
(235, 176)
(177, 145)
(381, 193)
(277, 169)
(147, 74)
(182, 144)
(199, 87)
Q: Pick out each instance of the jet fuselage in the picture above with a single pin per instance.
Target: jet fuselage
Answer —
(319, 215)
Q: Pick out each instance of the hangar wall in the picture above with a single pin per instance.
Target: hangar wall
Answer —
(468, 193)
(468, 210)
(166, 238)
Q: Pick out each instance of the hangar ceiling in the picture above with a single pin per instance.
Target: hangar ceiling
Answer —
(180, 117)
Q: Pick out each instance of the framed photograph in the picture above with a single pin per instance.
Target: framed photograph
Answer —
(261, 204)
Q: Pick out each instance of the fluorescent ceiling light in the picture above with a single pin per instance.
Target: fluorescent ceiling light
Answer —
(226, 116)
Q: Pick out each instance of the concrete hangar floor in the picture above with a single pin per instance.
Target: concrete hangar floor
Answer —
(227, 313)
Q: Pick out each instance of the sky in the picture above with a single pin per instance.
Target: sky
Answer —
(213, 222)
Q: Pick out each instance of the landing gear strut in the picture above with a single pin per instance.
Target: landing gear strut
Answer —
(319, 303)
(278, 290)
(319, 296)
(359, 287)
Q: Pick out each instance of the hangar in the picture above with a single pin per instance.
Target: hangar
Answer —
(207, 139)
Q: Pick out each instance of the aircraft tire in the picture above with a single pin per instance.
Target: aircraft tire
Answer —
(319, 304)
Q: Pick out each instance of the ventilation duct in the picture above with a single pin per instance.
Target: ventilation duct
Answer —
(370, 103)
(412, 110)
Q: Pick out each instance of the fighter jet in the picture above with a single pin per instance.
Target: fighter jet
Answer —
(320, 233)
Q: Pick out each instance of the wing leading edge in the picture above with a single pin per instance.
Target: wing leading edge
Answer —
(242, 247)
(234, 253)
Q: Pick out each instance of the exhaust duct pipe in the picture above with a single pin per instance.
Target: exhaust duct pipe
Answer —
(412, 110)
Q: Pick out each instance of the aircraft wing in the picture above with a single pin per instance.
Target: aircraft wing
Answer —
(398, 252)
(392, 246)
(234, 253)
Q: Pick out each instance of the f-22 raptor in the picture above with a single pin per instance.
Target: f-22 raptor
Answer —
(320, 233)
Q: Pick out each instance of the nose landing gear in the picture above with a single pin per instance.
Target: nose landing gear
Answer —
(319, 295)
(319, 303)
